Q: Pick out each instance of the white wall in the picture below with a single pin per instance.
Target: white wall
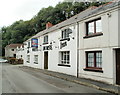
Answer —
(106, 43)
(9, 52)
(53, 55)
(32, 53)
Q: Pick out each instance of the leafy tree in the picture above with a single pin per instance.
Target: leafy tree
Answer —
(21, 30)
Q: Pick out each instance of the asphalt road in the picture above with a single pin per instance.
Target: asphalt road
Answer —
(17, 80)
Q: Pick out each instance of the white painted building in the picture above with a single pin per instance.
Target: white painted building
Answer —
(20, 52)
(86, 45)
(99, 44)
(54, 50)
(10, 50)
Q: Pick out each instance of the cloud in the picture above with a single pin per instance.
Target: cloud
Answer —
(13, 10)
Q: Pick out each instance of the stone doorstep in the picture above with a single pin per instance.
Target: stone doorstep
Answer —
(56, 74)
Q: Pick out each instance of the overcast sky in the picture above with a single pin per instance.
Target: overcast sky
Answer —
(13, 10)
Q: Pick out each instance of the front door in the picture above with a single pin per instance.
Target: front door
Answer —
(45, 60)
(118, 66)
(14, 55)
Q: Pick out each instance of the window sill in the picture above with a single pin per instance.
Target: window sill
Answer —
(93, 69)
(93, 35)
(27, 61)
(64, 65)
(68, 39)
(35, 62)
(45, 43)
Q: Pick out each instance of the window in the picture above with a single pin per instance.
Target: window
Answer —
(94, 60)
(45, 41)
(36, 59)
(65, 33)
(28, 44)
(14, 55)
(94, 27)
(28, 58)
(12, 49)
(65, 58)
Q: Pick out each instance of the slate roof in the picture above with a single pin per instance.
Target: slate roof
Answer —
(14, 45)
(86, 13)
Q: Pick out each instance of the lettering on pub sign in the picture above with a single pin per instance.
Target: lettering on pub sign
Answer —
(47, 47)
(63, 44)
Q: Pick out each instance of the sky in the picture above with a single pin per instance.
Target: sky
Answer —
(14, 10)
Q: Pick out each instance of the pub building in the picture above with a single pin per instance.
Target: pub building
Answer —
(86, 45)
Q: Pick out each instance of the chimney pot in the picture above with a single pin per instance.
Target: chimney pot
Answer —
(48, 25)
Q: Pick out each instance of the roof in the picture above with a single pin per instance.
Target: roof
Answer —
(14, 45)
(86, 13)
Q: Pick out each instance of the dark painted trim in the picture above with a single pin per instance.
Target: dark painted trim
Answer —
(35, 62)
(93, 69)
(68, 39)
(45, 43)
(64, 65)
(93, 35)
(27, 61)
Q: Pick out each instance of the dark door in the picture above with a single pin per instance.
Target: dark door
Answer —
(118, 66)
(45, 60)
(14, 55)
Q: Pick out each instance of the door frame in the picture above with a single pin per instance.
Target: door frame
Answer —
(46, 61)
(117, 50)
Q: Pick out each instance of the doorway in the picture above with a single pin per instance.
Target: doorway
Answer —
(118, 66)
(45, 60)
(14, 55)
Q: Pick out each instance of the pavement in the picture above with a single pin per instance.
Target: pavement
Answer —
(115, 89)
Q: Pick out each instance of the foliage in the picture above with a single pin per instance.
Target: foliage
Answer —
(21, 30)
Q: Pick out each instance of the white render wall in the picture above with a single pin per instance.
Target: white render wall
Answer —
(20, 53)
(9, 52)
(54, 54)
(32, 53)
(105, 43)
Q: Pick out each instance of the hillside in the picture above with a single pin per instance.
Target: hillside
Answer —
(21, 30)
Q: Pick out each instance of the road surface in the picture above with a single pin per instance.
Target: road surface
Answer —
(17, 80)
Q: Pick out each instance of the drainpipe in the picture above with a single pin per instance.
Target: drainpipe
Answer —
(77, 49)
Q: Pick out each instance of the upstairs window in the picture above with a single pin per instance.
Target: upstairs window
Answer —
(65, 33)
(28, 44)
(94, 27)
(45, 41)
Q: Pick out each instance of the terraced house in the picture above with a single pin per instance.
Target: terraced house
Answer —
(86, 45)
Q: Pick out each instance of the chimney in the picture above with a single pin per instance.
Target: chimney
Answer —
(48, 25)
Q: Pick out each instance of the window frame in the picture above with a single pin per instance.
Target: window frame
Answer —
(65, 34)
(12, 49)
(45, 39)
(35, 61)
(95, 32)
(28, 59)
(63, 60)
(94, 68)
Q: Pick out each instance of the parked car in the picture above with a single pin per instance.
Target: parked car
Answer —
(3, 61)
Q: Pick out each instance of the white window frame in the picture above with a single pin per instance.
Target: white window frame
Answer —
(35, 59)
(45, 39)
(65, 57)
(28, 58)
(65, 33)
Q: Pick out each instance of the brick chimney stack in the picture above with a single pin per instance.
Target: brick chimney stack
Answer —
(48, 25)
